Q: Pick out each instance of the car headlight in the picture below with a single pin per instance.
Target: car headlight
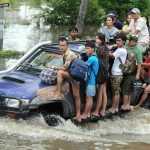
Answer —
(16, 103)
(10, 102)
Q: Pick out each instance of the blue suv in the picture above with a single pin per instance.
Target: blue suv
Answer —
(19, 85)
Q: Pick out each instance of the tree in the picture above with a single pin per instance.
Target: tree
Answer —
(82, 14)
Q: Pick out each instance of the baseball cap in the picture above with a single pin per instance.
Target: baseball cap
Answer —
(135, 11)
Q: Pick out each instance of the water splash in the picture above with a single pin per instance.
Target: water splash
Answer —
(133, 126)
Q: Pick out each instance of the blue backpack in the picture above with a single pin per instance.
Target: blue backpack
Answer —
(78, 69)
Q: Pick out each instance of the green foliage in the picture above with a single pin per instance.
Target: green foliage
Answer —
(123, 6)
(95, 13)
(10, 54)
(65, 12)
(61, 12)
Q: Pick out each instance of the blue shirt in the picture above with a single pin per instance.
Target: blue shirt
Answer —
(93, 69)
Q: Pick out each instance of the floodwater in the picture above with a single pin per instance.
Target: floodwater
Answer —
(128, 133)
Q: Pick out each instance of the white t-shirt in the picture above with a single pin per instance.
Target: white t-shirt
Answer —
(122, 53)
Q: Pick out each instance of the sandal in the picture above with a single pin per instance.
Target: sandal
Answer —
(86, 120)
(102, 117)
(94, 118)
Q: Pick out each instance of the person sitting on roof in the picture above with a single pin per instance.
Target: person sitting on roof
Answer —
(109, 30)
(139, 28)
(117, 23)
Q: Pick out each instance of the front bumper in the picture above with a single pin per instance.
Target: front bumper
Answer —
(19, 112)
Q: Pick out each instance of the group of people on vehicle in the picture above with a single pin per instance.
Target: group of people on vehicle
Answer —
(119, 54)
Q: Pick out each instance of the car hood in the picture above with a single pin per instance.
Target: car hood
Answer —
(19, 85)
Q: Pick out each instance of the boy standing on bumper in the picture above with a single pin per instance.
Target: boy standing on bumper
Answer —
(91, 80)
(116, 72)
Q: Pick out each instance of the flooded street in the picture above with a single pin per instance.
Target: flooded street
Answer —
(129, 133)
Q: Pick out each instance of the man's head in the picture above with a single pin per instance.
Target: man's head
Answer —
(90, 45)
(73, 32)
(132, 40)
(63, 44)
(135, 13)
(120, 39)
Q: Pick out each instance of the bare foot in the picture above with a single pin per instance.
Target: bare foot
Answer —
(78, 118)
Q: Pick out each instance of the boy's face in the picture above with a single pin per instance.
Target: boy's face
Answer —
(89, 51)
(73, 34)
(119, 42)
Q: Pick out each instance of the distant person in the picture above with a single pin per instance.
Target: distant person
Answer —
(73, 34)
(109, 30)
(91, 81)
(117, 23)
(125, 27)
(116, 72)
(140, 29)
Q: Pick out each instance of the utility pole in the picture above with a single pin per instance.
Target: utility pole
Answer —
(2, 6)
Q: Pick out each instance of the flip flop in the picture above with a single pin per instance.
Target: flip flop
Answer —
(123, 112)
(109, 115)
(86, 120)
(102, 117)
(94, 118)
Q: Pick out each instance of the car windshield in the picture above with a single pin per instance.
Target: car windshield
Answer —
(40, 61)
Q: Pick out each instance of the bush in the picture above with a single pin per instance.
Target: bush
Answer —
(10, 54)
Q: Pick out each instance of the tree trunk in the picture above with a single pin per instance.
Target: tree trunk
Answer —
(81, 16)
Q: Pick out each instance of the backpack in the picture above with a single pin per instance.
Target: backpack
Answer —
(78, 69)
(49, 76)
(127, 68)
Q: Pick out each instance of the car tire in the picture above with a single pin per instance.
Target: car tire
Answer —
(52, 119)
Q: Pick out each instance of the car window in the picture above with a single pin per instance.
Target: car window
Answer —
(47, 59)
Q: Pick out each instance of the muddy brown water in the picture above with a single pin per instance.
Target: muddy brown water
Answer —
(129, 133)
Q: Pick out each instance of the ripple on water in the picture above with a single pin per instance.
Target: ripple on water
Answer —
(134, 126)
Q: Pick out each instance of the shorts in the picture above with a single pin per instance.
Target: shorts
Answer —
(127, 84)
(116, 83)
(91, 90)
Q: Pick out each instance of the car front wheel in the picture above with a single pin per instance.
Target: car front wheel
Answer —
(52, 119)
